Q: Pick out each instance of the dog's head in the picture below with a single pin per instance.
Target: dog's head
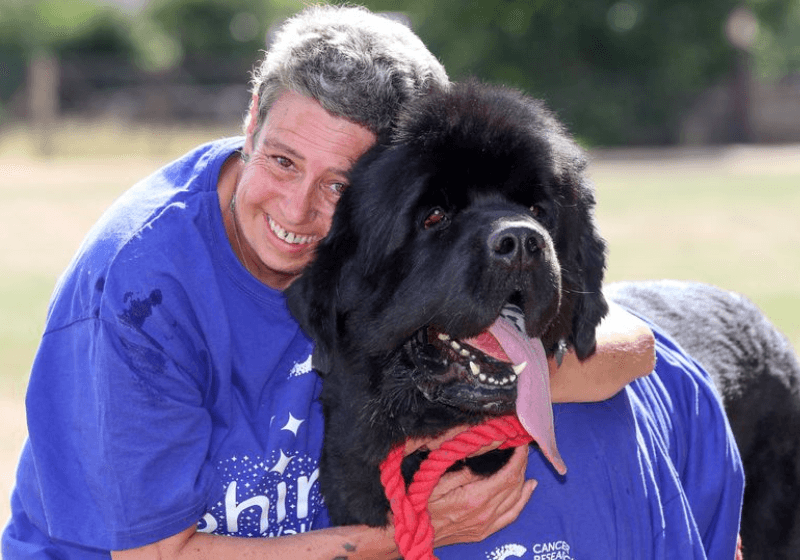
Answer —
(478, 201)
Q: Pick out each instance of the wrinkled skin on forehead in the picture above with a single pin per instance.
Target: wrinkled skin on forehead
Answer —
(478, 201)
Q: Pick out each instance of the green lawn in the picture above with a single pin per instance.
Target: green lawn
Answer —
(728, 218)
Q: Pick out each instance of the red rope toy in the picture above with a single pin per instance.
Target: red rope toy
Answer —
(412, 522)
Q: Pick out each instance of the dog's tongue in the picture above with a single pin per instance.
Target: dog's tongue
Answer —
(505, 341)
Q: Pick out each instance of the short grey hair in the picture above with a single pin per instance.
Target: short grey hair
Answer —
(358, 65)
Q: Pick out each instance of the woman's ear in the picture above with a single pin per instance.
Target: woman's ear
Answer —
(252, 128)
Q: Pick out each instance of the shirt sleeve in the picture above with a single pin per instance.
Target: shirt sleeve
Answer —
(118, 428)
(702, 448)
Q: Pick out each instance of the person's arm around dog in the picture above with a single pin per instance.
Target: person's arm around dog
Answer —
(463, 508)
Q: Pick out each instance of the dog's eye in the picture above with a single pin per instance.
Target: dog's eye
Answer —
(437, 217)
(537, 210)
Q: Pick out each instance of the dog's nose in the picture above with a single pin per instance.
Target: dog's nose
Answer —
(516, 243)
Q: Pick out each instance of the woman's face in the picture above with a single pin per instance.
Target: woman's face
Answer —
(295, 172)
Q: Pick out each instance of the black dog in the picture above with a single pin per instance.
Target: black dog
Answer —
(478, 201)
(758, 374)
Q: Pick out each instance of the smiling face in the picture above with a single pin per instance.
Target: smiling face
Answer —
(283, 197)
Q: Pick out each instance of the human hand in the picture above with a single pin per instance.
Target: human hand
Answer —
(465, 507)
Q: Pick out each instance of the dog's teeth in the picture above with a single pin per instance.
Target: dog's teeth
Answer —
(464, 352)
(519, 367)
(482, 377)
(443, 337)
(475, 368)
(512, 377)
(455, 346)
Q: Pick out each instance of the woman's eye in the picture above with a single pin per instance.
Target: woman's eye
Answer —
(437, 217)
(338, 188)
(283, 161)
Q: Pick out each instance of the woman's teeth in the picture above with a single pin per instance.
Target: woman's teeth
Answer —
(289, 237)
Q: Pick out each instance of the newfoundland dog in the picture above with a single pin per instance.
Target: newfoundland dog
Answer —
(478, 203)
(477, 208)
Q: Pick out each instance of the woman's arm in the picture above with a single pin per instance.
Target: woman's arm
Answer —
(464, 508)
(625, 351)
(333, 543)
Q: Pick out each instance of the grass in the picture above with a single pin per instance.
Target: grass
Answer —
(727, 217)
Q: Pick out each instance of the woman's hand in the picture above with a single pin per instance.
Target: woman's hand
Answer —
(465, 507)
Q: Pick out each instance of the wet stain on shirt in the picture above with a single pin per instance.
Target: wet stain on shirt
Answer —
(140, 309)
(146, 361)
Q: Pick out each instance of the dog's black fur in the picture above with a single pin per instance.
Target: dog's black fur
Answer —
(757, 372)
(478, 200)
(414, 245)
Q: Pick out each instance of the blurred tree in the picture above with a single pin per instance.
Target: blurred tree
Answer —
(32, 29)
(222, 32)
(776, 48)
(61, 26)
(617, 71)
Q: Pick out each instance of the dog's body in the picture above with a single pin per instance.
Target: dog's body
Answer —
(480, 201)
(758, 375)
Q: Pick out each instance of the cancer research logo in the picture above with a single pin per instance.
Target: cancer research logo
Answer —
(507, 551)
(554, 550)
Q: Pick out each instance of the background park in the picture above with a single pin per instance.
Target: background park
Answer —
(690, 112)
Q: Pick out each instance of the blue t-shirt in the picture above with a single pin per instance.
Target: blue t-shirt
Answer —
(170, 386)
(653, 473)
(173, 388)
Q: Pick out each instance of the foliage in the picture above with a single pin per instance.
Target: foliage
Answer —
(777, 47)
(78, 26)
(617, 71)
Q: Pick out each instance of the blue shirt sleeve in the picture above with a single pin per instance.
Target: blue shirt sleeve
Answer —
(122, 424)
(701, 445)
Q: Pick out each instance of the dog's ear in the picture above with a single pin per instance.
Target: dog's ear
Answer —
(590, 305)
(581, 252)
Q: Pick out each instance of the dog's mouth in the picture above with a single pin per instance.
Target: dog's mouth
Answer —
(499, 371)
(473, 374)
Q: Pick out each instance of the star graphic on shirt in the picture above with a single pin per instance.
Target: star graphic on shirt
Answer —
(282, 463)
(292, 424)
(301, 368)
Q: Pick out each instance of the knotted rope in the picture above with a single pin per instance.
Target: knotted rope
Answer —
(412, 522)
